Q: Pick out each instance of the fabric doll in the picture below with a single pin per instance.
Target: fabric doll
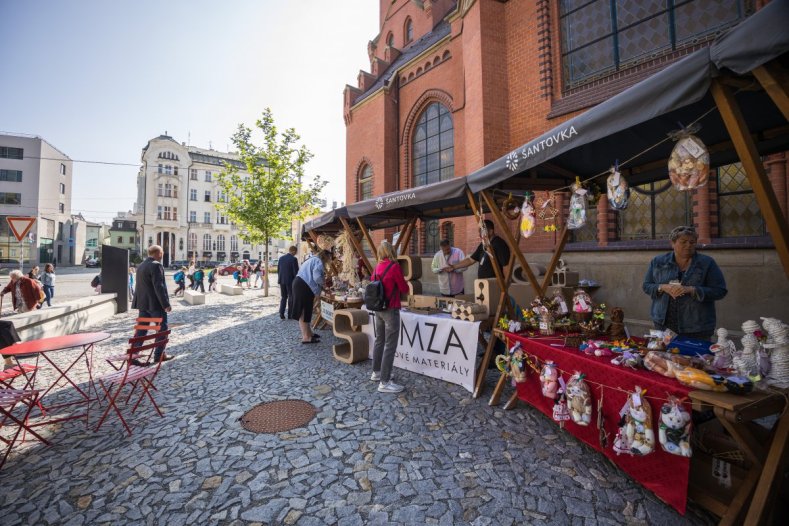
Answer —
(674, 428)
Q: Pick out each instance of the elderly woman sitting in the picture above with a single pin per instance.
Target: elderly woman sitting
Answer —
(684, 286)
(25, 292)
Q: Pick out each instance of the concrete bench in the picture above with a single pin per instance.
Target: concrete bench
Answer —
(347, 326)
(230, 290)
(192, 297)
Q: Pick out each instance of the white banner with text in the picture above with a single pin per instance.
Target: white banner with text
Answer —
(434, 345)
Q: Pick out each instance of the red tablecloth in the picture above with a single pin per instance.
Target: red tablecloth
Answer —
(664, 474)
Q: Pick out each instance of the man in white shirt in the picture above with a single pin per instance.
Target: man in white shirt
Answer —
(450, 281)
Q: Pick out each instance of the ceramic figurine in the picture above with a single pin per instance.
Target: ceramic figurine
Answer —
(674, 428)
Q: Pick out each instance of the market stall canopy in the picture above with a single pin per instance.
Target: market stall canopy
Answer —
(433, 201)
(630, 126)
(328, 222)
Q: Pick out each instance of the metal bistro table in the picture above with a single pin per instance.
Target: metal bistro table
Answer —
(43, 348)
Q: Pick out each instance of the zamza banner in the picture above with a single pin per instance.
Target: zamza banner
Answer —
(437, 346)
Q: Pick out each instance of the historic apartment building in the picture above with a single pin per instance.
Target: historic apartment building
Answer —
(454, 85)
(36, 182)
(177, 194)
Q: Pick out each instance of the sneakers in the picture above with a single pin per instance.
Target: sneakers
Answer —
(376, 377)
(389, 387)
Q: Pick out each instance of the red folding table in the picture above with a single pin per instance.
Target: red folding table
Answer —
(45, 348)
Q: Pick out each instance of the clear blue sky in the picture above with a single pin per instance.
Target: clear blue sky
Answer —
(98, 78)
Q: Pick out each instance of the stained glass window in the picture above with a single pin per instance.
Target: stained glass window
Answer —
(433, 146)
(654, 210)
(738, 211)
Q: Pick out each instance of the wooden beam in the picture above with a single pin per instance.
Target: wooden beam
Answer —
(554, 260)
(405, 236)
(769, 480)
(754, 168)
(502, 225)
(775, 82)
(356, 245)
(367, 236)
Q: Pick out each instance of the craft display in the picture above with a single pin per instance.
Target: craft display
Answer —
(513, 363)
(594, 326)
(616, 329)
(561, 305)
(545, 310)
(510, 208)
(547, 211)
(577, 217)
(618, 190)
(699, 379)
(689, 162)
(579, 400)
(674, 428)
(528, 218)
(549, 378)
(348, 262)
(778, 346)
(629, 359)
(723, 351)
(745, 360)
(582, 305)
(635, 435)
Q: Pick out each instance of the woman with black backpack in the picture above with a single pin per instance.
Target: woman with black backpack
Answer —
(387, 321)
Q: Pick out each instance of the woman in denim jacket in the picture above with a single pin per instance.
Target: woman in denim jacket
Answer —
(684, 286)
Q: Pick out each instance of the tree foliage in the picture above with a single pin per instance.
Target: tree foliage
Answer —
(264, 202)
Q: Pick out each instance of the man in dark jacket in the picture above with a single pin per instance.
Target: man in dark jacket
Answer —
(287, 268)
(150, 296)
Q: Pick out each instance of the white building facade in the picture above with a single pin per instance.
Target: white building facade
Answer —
(177, 192)
(36, 181)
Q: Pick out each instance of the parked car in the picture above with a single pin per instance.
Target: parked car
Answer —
(92, 263)
(227, 270)
(177, 264)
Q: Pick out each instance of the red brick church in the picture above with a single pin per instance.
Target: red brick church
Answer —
(456, 84)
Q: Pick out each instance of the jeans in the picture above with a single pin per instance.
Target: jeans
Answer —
(157, 353)
(387, 329)
(49, 292)
(286, 291)
(199, 285)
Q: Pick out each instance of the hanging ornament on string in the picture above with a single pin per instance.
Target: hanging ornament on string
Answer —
(547, 211)
(689, 162)
(577, 217)
(618, 189)
(510, 208)
(528, 217)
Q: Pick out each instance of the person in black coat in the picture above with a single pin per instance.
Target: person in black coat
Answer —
(150, 296)
(287, 268)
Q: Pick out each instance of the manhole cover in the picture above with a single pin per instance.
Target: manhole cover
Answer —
(275, 417)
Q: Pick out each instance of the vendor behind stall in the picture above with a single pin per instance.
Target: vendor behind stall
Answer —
(684, 286)
(450, 281)
(500, 250)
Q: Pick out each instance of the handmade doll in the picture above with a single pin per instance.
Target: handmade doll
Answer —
(528, 220)
(635, 435)
(582, 302)
(577, 217)
(549, 376)
(674, 428)
(723, 350)
(561, 305)
(618, 190)
(579, 400)
(778, 345)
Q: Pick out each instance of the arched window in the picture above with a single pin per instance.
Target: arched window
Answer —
(206, 241)
(390, 40)
(366, 183)
(220, 243)
(409, 30)
(192, 244)
(233, 244)
(433, 146)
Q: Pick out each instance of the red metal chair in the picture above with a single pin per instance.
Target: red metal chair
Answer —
(133, 376)
(25, 370)
(9, 398)
(142, 323)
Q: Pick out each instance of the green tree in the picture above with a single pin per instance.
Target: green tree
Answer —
(264, 202)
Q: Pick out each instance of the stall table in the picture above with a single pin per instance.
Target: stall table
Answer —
(664, 474)
(336, 303)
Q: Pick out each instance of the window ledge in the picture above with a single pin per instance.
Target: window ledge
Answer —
(662, 244)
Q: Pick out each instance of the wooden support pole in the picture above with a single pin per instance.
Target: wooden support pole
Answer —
(512, 402)
(367, 236)
(775, 82)
(501, 223)
(356, 245)
(768, 484)
(749, 156)
(546, 280)
(405, 236)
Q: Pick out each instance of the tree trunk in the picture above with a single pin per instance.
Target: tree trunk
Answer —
(265, 267)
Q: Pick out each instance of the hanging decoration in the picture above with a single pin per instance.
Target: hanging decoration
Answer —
(510, 208)
(528, 220)
(577, 217)
(689, 162)
(549, 376)
(325, 242)
(579, 400)
(547, 211)
(674, 428)
(618, 189)
(635, 435)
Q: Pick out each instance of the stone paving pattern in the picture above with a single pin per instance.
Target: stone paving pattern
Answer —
(432, 455)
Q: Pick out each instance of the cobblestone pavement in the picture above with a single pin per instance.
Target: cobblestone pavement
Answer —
(432, 455)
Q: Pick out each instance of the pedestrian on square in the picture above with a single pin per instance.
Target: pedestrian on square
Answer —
(25, 292)
(258, 271)
(190, 273)
(212, 280)
(387, 322)
(245, 274)
(132, 270)
(287, 268)
(151, 298)
(48, 283)
(450, 281)
(199, 277)
(34, 273)
(180, 280)
(307, 284)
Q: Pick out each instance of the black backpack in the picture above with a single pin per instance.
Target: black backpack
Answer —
(95, 282)
(374, 295)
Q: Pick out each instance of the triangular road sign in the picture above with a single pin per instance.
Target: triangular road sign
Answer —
(20, 226)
